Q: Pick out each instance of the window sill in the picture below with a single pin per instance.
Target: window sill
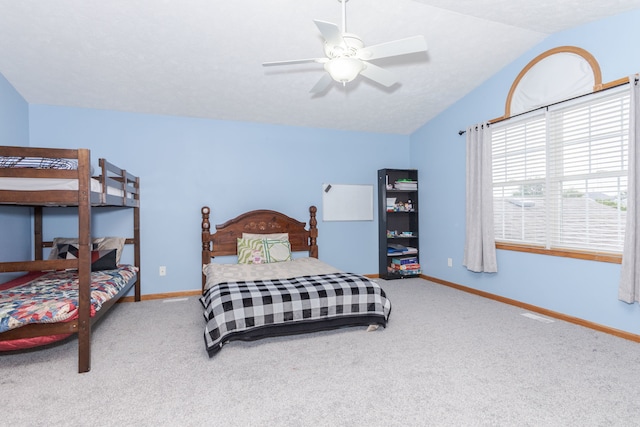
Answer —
(567, 253)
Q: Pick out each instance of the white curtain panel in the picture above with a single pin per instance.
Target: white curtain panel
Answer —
(480, 247)
(629, 289)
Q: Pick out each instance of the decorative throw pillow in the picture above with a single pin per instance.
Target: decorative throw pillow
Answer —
(100, 260)
(99, 243)
(69, 251)
(277, 250)
(103, 260)
(58, 242)
(106, 243)
(251, 251)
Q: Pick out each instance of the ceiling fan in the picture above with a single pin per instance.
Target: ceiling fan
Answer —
(347, 57)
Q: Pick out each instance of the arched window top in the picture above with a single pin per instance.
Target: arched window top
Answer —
(555, 75)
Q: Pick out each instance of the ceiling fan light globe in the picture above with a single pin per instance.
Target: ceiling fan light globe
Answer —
(344, 69)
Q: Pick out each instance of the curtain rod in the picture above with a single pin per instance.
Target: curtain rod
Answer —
(614, 84)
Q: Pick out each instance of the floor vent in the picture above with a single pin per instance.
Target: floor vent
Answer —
(538, 318)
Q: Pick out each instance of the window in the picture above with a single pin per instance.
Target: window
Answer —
(560, 175)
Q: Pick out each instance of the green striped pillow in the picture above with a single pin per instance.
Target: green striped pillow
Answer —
(251, 251)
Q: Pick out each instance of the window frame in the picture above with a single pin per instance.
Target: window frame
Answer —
(583, 253)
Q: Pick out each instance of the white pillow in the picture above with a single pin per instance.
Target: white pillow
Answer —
(272, 236)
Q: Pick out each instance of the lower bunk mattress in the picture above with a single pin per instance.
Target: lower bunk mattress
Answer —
(254, 309)
(52, 297)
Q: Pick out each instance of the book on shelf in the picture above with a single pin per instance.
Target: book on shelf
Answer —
(406, 267)
(409, 272)
(406, 184)
(395, 249)
(404, 272)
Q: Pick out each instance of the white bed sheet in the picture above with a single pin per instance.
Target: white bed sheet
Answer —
(219, 273)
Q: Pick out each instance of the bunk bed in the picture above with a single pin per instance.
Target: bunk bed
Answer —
(269, 292)
(49, 177)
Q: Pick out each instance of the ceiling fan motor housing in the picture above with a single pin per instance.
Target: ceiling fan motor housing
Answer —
(352, 44)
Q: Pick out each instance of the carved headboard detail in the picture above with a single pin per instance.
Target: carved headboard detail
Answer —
(262, 226)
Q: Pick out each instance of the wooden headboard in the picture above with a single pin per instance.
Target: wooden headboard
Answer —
(224, 240)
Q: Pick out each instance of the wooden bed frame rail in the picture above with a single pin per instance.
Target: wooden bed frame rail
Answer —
(113, 177)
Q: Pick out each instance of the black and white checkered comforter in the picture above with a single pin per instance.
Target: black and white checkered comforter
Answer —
(250, 310)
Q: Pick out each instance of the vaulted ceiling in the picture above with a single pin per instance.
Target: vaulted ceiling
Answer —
(203, 59)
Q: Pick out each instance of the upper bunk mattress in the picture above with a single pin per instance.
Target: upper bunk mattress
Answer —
(52, 184)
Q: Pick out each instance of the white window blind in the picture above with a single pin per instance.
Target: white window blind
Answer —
(560, 176)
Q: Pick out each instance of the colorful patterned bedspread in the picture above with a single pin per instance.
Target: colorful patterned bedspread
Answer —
(53, 297)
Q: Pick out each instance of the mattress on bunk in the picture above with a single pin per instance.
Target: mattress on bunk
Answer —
(38, 162)
(53, 297)
(52, 184)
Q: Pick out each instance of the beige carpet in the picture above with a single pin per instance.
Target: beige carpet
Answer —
(446, 358)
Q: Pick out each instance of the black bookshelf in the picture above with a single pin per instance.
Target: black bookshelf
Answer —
(398, 224)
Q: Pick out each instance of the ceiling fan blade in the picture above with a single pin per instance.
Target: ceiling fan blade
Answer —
(295, 61)
(330, 32)
(394, 48)
(322, 84)
(378, 75)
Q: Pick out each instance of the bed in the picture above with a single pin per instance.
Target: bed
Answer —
(271, 292)
(82, 277)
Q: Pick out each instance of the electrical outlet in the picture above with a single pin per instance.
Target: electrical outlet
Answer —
(163, 270)
(450, 262)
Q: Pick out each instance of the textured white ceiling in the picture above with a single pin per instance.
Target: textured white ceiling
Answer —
(201, 58)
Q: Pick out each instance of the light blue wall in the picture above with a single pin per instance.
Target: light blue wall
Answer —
(233, 167)
(583, 289)
(14, 130)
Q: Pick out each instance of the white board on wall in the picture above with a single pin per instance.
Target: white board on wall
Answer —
(346, 202)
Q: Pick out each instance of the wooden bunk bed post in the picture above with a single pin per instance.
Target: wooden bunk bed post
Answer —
(37, 232)
(136, 247)
(206, 242)
(136, 236)
(84, 261)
